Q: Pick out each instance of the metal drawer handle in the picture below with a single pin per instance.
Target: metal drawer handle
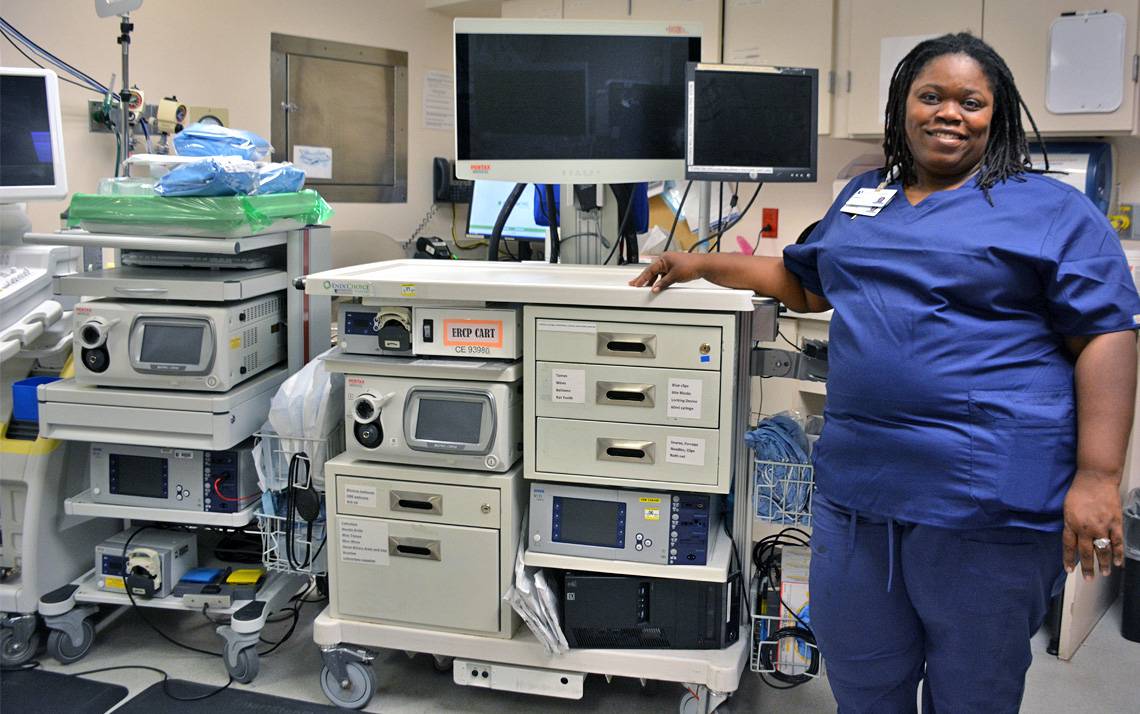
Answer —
(640, 452)
(415, 502)
(414, 548)
(611, 343)
(625, 395)
(139, 291)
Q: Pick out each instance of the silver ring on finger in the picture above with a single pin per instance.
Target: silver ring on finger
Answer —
(1102, 543)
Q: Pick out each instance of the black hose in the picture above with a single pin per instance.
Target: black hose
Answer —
(552, 221)
(501, 221)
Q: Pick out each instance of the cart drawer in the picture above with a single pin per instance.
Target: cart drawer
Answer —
(138, 283)
(629, 343)
(430, 575)
(632, 452)
(627, 394)
(418, 501)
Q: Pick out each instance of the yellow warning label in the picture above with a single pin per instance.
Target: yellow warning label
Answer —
(652, 514)
(113, 583)
(408, 290)
(650, 500)
(235, 343)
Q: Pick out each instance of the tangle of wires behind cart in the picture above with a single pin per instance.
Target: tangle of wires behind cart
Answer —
(766, 561)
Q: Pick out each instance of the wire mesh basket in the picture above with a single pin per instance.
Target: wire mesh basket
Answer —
(308, 554)
(776, 648)
(277, 454)
(783, 491)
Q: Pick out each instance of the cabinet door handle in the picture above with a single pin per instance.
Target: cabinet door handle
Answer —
(410, 502)
(414, 548)
(624, 394)
(623, 451)
(139, 291)
(612, 344)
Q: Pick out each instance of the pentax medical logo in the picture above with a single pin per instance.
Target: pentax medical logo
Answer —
(676, 30)
(480, 168)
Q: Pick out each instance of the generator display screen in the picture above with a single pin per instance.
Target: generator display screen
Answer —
(586, 521)
(452, 420)
(138, 475)
(172, 344)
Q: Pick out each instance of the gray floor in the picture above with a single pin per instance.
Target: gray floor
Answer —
(1103, 677)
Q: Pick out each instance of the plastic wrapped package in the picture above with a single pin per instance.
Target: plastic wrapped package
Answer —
(280, 178)
(211, 140)
(219, 176)
(202, 217)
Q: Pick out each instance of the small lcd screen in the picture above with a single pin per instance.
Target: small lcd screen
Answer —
(25, 132)
(589, 522)
(449, 420)
(171, 344)
(751, 119)
(487, 199)
(138, 475)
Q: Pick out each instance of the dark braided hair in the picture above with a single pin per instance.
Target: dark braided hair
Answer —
(1007, 153)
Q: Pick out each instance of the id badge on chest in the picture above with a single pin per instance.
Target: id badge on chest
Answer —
(868, 201)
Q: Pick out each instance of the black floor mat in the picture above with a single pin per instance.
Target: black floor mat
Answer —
(35, 691)
(231, 701)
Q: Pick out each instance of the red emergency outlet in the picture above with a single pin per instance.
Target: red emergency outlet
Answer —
(771, 223)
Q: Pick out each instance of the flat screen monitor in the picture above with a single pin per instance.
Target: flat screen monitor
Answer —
(560, 101)
(488, 197)
(31, 136)
(745, 123)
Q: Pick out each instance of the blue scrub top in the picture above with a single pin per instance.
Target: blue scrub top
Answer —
(950, 396)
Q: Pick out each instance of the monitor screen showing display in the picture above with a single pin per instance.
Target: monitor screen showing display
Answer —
(589, 522)
(544, 101)
(31, 139)
(138, 475)
(751, 123)
(451, 420)
(172, 344)
(488, 197)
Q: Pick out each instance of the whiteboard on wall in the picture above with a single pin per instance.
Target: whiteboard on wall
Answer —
(1086, 63)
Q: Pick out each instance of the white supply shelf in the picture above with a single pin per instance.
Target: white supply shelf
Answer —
(82, 504)
(423, 367)
(85, 239)
(89, 592)
(715, 571)
(719, 670)
(198, 284)
(532, 283)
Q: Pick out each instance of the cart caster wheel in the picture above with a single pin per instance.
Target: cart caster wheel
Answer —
(60, 646)
(15, 651)
(689, 704)
(361, 683)
(442, 664)
(247, 666)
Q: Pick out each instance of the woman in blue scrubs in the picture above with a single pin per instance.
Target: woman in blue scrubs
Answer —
(980, 396)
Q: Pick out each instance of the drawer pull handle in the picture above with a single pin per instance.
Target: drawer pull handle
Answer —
(409, 501)
(623, 394)
(414, 548)
(622, 345)
(640, 452)
(139, 291)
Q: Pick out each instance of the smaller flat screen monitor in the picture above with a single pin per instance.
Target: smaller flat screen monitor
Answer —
(745, 123)
(31, 136)
(488, 197)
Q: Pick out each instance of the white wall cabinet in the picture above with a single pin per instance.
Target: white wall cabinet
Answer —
(1019, 31)
(881, 33)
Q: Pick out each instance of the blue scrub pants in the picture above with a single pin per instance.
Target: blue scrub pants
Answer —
(895, 603)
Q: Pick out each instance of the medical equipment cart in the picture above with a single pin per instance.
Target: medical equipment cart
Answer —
(693, 345)
(180, 419)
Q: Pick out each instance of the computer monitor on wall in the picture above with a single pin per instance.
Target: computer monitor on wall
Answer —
(487, 198)
(562, 101)
(31, 136)
(748, 123)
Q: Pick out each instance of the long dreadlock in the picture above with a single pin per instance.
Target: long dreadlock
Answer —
(1007, 153)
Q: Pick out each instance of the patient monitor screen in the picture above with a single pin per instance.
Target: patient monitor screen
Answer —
(25, 134)
(571, 96)
(172, 344)
(449, 420)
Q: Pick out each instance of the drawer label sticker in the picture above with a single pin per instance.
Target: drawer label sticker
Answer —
(363, 496)
(588, 328)
(568, 386)
(685, 398)
(363, 541)
(473, 333)
(685, 450)
(652, 514)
